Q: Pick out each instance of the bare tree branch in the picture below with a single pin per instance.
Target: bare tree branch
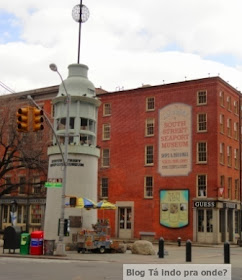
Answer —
(20, 153)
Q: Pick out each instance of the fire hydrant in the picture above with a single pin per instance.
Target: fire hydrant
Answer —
(179, 241)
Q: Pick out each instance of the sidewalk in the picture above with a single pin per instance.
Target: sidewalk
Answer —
(173, 255)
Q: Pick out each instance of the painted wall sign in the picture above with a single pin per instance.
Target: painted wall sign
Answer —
(175, 140)
(70, 162)
(174, 208)
(230, 205)
(204, 204)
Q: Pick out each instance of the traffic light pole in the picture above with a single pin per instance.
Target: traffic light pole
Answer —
(60, 248)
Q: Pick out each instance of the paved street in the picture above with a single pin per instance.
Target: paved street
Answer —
(109, 266)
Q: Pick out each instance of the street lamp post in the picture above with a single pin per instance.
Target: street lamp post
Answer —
(60, 249)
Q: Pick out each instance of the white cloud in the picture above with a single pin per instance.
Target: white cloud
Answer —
(125, 43)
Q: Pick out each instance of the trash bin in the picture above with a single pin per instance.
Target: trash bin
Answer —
(49, 247)
(36, 243)
(24, 243)
(11, 238)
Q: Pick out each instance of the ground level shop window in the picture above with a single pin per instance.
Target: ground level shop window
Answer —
(36, 214)
(205, 217)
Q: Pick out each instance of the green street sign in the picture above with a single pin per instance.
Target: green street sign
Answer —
(53, 184)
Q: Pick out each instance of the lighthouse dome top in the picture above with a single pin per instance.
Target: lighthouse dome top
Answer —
(77, 82)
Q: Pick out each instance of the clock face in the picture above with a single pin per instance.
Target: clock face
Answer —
(84, 13)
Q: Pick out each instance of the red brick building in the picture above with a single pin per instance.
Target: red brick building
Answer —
(170, 160)
(27, 185)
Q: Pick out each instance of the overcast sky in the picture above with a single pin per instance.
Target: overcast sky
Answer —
(124, 43)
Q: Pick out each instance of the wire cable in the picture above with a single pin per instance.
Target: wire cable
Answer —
(6, 87)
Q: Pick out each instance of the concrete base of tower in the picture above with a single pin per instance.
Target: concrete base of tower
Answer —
(81, 181)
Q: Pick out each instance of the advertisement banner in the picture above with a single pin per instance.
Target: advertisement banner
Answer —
(174, 208)
(175, 140)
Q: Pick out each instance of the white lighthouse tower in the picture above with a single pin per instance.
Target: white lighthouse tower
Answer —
(76, 101)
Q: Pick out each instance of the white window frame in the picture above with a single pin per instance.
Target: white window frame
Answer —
(200, 192)
(221, 96)
(202, 122)
(106, 131)
(221, 153)
(222, 123)
(199, 103)
(150, 100)
(147, 163)
(202, 153)
(148, 188)
(106, 181)
(105, 158)
(107, 109)
(149, 127)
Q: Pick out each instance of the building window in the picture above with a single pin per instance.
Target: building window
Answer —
(150, 104)
(52, 110)
(149, 127)
(200, 219)
(229, 127)
(6, 218)
(105, 157)
(222, 123)
(202, 185)
(21, 214)
(35, 214)
(202, 152)
(86, 139)
(104, 187)
(22, 182)
(106, 109)
(221, 153)
(209, 217)
(8, 185)
(84, 123)
(149, 155)
(106, 131)
(236, 131)
(87, 124)
(236, 189)
(221, 98)
(229, 156)
(148, 186)
(222, 180)
(229, 188)
(201, 122)
(202, 97)
(236, 221)
(61, 123)
(236, 158)
(36, 185)
(236, 107)
(229, 103)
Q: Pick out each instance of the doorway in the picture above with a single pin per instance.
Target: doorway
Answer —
(125, 222)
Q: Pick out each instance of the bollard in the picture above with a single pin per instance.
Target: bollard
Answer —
(226, 252)
(179, 241)
(188, 251)
(161, 248)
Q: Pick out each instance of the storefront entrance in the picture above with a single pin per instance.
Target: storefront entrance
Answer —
(125, 222)
(216, 221)
(205, 225)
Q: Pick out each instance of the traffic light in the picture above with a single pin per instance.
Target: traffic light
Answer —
(23, 119)
(37, 119)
